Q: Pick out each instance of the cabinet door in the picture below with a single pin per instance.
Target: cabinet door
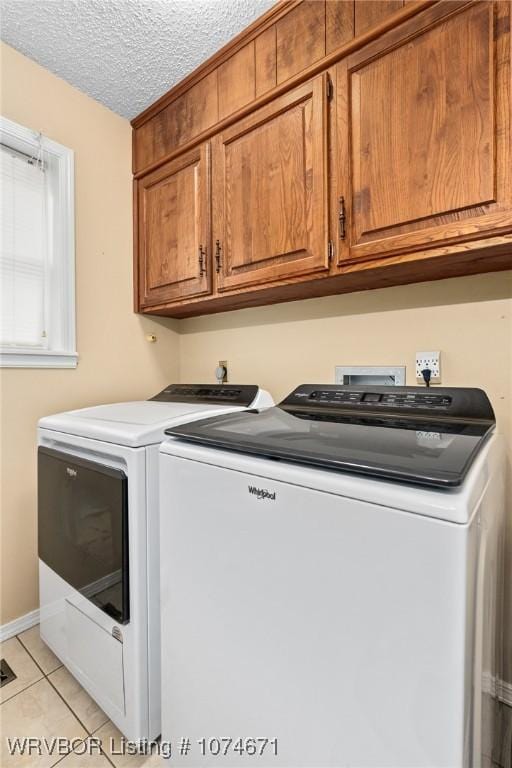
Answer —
(423, 119)
(174, 230)
(270, 206)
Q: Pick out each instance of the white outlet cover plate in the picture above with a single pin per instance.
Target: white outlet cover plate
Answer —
(430, 359)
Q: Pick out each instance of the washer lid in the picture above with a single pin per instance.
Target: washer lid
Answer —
(407, 434)
(142, 423)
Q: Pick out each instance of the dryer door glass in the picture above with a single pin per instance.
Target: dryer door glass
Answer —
(83, 528)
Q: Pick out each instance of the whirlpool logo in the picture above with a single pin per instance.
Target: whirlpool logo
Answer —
(71, 472)
(262, 493)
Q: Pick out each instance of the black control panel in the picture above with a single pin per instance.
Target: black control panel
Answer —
(404, 400)
(230, 394)
(453, 402)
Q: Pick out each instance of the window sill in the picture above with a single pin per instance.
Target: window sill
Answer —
(39, 359)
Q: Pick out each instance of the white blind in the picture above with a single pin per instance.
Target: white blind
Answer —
(23, 253)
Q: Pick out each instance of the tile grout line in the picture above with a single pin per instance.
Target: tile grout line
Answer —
(34, 682)
(63, 758)
(46, 676)
(69, 707)
(103, 752)
(29, 684)
(33, 658)
(18, 638)
(89, 734)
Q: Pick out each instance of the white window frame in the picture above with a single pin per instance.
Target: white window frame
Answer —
(62, 325)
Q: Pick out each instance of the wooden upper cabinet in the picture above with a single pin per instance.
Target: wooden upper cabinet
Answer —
(194, 111)
(270, 204)
(423, 138)
(266, 60)
(405, 172)
(300, 38)
(339, 23)
(174, 230)
(237, 80)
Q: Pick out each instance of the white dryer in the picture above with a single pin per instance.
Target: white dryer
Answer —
(99, 542)
(330, 581)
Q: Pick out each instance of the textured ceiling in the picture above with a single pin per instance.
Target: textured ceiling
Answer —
(124, 53)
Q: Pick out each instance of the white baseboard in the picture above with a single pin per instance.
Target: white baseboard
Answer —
(16, 626)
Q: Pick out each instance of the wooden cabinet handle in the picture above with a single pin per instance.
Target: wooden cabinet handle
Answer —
(217, 256)
(342, 218)
(202, 261)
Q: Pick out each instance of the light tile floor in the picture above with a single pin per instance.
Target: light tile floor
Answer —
(46, 701)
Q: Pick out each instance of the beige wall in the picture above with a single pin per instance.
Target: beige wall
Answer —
(116, 362)
(468, 319)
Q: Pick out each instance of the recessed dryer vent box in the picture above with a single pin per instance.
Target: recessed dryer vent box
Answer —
(379, 375)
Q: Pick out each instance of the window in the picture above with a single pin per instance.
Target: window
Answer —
(37, 251)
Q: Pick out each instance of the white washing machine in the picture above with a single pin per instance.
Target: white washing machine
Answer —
(99, 542)
(329, 581)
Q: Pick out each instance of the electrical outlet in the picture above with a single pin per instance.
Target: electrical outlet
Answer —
(430, 360)
(222, 372)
